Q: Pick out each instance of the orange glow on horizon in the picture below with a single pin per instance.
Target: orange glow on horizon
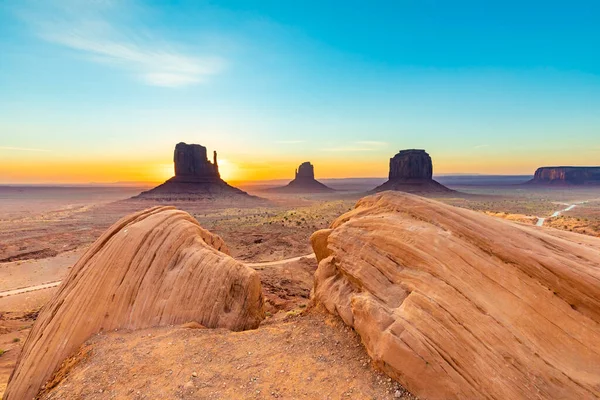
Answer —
(59, 170)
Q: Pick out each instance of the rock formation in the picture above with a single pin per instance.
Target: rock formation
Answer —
(455, 304)
(195, 178)
(412, 171)
(566, 175)
(304, 181)
(192, 165)
(157, 267)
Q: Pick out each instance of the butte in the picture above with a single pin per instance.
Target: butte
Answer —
(304, 182)
(195, 178)
(412, 171)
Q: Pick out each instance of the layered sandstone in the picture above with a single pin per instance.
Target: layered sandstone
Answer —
(455, 304)
(304, 181)
(567, 175)
(157, 267)
(411, 171)
(196, 178)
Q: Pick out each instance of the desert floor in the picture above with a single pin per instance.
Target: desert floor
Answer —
(44, 231)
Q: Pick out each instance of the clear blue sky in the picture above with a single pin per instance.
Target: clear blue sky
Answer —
(102, 90)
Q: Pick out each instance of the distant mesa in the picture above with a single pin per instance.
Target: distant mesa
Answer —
(412, 171)
(304, 181)
(195, 178)
(566, 176)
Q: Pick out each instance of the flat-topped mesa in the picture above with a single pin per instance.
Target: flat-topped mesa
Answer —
(567, 175)
(191, 163)
(411, 164)
(412, 171)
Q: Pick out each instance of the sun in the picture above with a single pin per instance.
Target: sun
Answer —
(165, 171)
(227, 169)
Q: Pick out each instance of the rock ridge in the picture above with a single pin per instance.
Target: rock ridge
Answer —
(154, 268)
(451, 312)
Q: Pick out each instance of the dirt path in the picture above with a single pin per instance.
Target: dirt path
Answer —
(29, 289)
(258, 265)
(540, 221)
(48, 285)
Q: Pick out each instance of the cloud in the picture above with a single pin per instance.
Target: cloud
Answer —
(349, 149)
(290, 141)
(481, 146)
(371, 143)
(97, 31)
(21, 148)
(360, 145)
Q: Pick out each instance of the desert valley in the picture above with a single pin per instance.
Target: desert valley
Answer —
(328, 200)
(308, 318)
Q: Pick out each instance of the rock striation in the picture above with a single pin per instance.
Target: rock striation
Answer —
(455, 304)
(411, 171)
(566, 175)
(195, 178)
(157, 267)
(304, 181)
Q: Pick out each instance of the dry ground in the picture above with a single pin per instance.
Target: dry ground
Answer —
(306, 356)
(43, 232)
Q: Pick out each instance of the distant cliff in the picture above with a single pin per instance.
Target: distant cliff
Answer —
(567, 175)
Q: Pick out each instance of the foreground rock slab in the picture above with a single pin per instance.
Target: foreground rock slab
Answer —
(456, 304)
(154, 268)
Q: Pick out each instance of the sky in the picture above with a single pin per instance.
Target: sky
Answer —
(102, 90)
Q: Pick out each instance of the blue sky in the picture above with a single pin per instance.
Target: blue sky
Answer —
(108, 87)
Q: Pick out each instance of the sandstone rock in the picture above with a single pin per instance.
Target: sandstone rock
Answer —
(305, 171)
(411, 171)
(567, 175)
(191, 162)
(455, 304)
(304, 182)
(411, 164)
(154, 268)
(195, 178)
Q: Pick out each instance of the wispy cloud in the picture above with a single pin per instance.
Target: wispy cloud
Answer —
(360, 145)
(481, 146)
(290, 141)
(349, 149)
(21, 148)
(371, 143)
(93, 30)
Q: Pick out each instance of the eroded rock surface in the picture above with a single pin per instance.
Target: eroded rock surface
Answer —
(154, 268)
(455, 304)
